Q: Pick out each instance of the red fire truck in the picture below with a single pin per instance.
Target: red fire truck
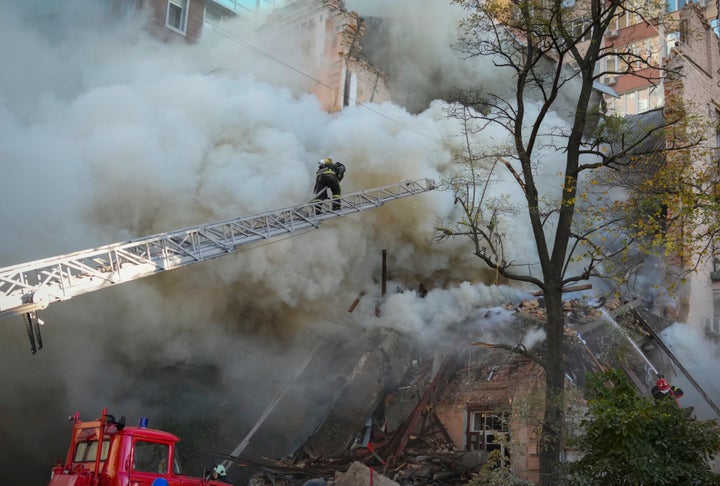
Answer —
(105, 452)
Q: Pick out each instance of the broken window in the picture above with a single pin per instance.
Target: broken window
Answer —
(488, 431)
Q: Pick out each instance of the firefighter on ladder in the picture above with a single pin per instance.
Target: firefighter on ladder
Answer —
(328, 177)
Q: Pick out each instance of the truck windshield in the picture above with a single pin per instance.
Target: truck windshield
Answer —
(86, 451)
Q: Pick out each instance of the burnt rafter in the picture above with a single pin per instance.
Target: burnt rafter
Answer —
(396, 445)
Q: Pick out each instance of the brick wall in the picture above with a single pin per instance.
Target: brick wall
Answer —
(157, 14)
(331, 35)
(513, 388)
(695, 92)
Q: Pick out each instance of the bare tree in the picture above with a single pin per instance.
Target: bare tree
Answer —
(535, 41)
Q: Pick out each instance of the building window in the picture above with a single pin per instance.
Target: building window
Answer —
(675, 5)
(488, 431)
(213, 15)
(631, 104)
(647, 52)
(573, 422)
(657, 96)
(638, 101)
(621, 20)
(212, 19)
(613, 64)
(643, 101)
(715, 274)
(176, 18)
(580, 29)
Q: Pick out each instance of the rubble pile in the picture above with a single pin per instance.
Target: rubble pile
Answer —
(417, 451)
(423, 461)
(398, 420)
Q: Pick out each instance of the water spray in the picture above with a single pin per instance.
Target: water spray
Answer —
(630, 340)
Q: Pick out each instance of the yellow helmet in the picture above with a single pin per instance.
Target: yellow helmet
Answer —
(326, 161)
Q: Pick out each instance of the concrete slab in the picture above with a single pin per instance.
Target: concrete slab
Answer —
(358, 474)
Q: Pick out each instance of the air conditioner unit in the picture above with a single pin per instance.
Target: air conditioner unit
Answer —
(611, 34)
(609, 79)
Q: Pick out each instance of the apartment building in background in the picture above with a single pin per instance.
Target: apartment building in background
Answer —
(184, 20)
(695, 91)
(327, 33)
(686, 41)
(655, 38)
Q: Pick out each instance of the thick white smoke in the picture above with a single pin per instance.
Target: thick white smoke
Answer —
(699, 358)
(415, 44)
(120, 142)
(105, 136)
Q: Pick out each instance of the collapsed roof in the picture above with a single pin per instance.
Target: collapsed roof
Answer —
(392, 406)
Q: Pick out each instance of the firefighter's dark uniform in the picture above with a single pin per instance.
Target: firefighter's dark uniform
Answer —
(663, 389)
(328, 176)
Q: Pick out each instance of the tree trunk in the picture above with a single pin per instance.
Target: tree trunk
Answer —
(551, 437)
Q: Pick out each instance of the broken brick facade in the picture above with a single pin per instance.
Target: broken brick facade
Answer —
(330, 35)
(325, 31)
(496, 406)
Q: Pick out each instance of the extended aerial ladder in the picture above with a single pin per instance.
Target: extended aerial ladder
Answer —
(29, 287)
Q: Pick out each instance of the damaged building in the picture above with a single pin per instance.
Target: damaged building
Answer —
(330, 40)
(412, 415)
(383, 404)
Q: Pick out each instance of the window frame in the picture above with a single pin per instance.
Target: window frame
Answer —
(578, 26)
(184, 6)
(144, 464)
(492, 424)
(213, 11)
(86, 451)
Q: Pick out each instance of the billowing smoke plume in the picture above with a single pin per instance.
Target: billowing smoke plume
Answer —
(415, 43)
(106, 136)
(699, 359)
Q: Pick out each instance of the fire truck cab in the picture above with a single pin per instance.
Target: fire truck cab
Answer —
(105, 452)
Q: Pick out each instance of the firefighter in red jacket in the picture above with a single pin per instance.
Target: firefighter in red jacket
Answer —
(328, 177)
(663, 389)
